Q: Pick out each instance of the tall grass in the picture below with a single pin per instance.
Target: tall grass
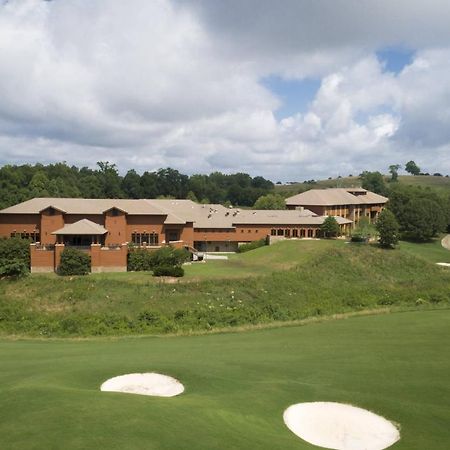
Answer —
(336, 280)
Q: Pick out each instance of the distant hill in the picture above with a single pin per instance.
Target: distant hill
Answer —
(439, 183)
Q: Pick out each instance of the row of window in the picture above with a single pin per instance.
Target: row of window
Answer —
(34, 237)
(287, 232)
(145, 238)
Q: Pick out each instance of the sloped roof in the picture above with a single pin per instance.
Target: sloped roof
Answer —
(272, 217)
(335, 196)
(281, 218)
(84, 206)
(82, 227)
(175, 212)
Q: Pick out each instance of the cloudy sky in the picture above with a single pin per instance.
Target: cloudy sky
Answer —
(289, 89)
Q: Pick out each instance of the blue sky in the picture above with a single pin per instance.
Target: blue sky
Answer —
(395, 58)
(295, 95)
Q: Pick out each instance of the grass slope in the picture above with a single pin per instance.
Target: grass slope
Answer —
(430, 251)
(321, 278)
(237, 385)
(441, 184)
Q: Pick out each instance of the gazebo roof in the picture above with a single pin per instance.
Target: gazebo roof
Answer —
(82, 227)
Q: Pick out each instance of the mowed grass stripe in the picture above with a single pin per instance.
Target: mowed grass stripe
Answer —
(237, 385)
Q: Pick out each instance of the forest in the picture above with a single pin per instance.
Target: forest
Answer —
(22, 182)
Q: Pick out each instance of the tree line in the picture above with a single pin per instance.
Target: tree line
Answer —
(421, 212)
(22, 182)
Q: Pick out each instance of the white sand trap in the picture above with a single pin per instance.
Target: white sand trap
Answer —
(341, 427)
(144, 384)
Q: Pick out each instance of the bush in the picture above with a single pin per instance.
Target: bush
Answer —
(168, 271)
(74, 262)
(14, 257)
(140, 260)
(363, 231)
(147, 260)
(14, 269)
(169, 256)
(251, 246)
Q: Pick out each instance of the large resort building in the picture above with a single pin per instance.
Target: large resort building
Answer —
(107, 227)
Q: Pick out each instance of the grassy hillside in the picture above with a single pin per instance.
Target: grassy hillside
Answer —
(237, 385)
(441, 184)
(298, 280)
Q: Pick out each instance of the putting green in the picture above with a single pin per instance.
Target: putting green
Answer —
(237, 385)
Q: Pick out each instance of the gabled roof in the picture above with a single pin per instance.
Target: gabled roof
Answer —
(85, 206)
(335, 196)
(82, 227)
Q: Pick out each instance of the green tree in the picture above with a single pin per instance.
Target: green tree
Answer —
(191, 196)
(412, 168)
(423, 219)
(110, 179)
(270, 201)
(393, 170)
(131, 185)
(330, 227)
(373, 181)
(388, 229)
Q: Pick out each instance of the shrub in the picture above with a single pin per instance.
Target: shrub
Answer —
(74, 262)
(14, 268)
(251, 246)
(363, 231)
(169, 256)
(168, 271)
(140, 260)
(165, 261)
(14, 257)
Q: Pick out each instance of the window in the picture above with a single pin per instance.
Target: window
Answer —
(273, 232)
(147, 238)
(280, 232)
(249, 231)
(294, 233)
(114, 212)
(287, 232)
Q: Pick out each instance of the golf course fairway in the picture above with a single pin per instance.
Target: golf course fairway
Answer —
(237, 385)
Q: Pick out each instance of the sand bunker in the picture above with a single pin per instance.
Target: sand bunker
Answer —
(144, 384)
(341, 427)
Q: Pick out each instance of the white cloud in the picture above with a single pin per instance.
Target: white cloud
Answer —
(152, 84)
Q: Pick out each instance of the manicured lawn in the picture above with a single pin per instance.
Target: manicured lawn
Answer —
(237, 385)
(431, 251)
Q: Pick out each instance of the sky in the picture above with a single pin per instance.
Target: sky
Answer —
(289, 90)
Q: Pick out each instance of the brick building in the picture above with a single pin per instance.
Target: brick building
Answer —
(105, 227)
